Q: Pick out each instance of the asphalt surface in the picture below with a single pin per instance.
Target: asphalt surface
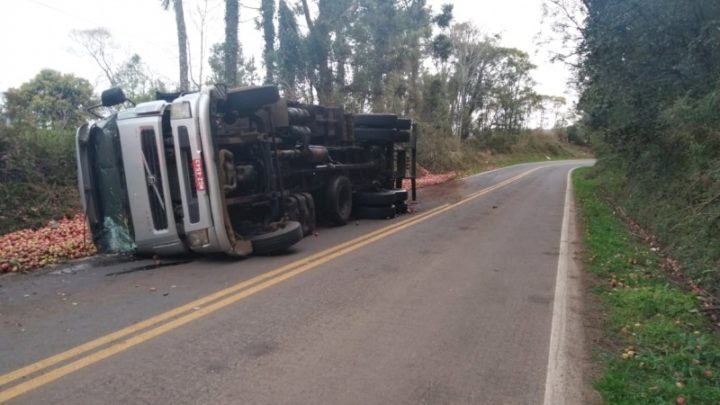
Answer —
(455, 308)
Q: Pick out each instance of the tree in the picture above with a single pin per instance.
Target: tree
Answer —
(491, 87)
(131, 75)
(650, 96)
(135, 80)
(267, 8)
(98, 44)
(182, 40)
(319, 48)
(290, 58)
(476, 61)
(51, 100)
(231, 48)
(245, 74)
(201, 26)
(512, 95)
(565, 28)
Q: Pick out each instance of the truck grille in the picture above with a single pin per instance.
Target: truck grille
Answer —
(153, 178)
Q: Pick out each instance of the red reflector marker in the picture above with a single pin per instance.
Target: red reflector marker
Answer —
(199, 175)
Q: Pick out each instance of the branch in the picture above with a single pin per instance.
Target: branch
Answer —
(308, 19)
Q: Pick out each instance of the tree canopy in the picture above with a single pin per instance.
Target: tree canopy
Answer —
(649, 75)
(51, 100)
(399, 56)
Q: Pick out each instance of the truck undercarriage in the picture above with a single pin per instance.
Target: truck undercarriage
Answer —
(237, 170)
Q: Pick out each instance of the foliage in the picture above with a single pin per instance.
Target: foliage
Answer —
(268, 25)
(245, 75)
(99, 45)
(665, 351)
(132, 75)
(439, 153)
(290, 57)
(38, 179)
(372, 55)
(492, 85)
(51, 100)
(650, 98)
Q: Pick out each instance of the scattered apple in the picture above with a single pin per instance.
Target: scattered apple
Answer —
(59, 241)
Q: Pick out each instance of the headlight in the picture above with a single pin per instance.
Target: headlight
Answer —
(180, 110)
(198, 239)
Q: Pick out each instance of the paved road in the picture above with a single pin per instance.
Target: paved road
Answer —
(451, 304)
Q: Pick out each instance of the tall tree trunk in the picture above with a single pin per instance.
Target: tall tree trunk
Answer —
(341, 56)
(268, 15)
(182, 45)
(232, 44)
(321, 40)
(413, 104)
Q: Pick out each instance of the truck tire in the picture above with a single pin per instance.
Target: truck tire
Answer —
(250, 99)
(376, 198)
(401, 208)
(338, 200)
(375, 212)
(277, 240)
(306, 207)
(375, 120)
(403, 124)
(403, 137)
(376, 135)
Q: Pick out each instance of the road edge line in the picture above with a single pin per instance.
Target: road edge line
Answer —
(556, 376)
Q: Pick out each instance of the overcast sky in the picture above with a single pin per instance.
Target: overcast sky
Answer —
(35, 35)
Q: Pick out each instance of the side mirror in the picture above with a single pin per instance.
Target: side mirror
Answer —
(112, 96)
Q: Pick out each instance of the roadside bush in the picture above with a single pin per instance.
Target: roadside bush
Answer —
(672, 187)
(576, 135)
(681, 209)
(439, 151)
(37, 177)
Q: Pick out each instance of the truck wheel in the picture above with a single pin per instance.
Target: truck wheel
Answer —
(376, 135)
(306, 208)
(338, 200)
(375, 120)
(278, 240)
(401, 195)
(403, 137)
(376, 198)
(251, 98)
(404, 124)
(375, 212)
(401, 208)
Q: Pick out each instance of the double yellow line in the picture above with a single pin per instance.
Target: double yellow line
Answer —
(133, 335)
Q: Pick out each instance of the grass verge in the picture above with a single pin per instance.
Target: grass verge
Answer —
(440, 154)
(662, 349)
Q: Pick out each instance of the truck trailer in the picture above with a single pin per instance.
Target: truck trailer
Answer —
(235, 171)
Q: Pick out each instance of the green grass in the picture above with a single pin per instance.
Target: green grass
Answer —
(681, 208)
(440, 153)
(675, 352)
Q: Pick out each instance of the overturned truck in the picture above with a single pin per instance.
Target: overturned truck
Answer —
(235, 171)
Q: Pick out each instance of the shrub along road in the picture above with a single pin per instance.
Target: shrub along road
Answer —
(455, 303)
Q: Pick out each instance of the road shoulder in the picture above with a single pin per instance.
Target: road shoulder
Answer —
(570, 367)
